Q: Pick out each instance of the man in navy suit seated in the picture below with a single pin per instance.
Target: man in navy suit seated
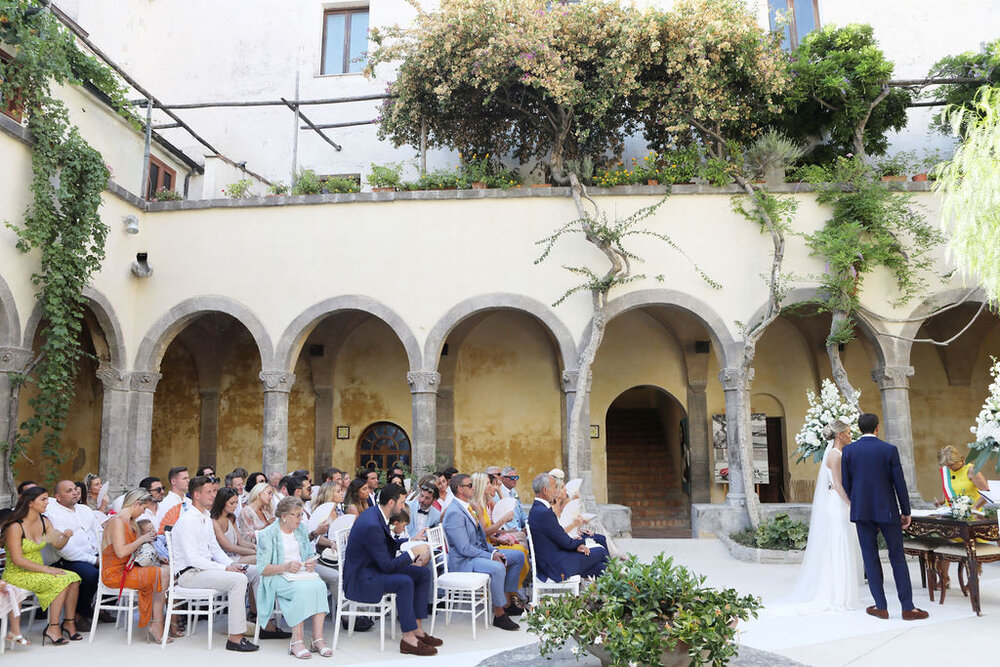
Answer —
(372, 569)
(873, 479)
(469, 551)
(558, 555)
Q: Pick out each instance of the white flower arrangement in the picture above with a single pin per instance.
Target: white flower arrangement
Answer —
(823, 410)
(961, 507)
(987, 428)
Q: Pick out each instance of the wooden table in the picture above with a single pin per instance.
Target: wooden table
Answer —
(966, 530)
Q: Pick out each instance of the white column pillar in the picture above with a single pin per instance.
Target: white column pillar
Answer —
(277, 385)
(114, 426)
(12, 360)
(894, 385)
(140, 428)
(423, 388)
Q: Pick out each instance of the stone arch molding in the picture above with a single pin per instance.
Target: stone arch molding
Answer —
(927, 308)
(722, 339)
(10, 323)
(554, 326)
(296, 333)
(154, 344)
(103, 311)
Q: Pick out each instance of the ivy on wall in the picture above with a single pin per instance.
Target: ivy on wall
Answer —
(61, 224)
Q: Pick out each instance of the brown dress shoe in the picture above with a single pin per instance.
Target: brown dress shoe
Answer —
(430, 641)
(419, 649)
(914, 614)
(879, 613)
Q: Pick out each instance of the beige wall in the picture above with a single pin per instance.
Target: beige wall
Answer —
(176, 413)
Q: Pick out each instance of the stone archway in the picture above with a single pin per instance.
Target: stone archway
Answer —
(648, 452)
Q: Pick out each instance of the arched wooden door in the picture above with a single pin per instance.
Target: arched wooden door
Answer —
(381, 445)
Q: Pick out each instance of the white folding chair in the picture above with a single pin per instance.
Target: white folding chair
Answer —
(205, 602)
(541, 586)
(351, 609)
(459, 591)
(108, 599)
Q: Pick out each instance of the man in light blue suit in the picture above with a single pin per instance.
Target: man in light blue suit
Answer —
(423, 514)
(469, 551)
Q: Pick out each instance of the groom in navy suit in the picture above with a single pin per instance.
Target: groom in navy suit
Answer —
(873, 479)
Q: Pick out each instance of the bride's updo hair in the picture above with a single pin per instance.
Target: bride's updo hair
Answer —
(831, 430)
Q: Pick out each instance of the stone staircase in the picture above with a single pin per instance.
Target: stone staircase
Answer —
(642, 475)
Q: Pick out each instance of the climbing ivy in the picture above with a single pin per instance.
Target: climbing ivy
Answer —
(62, 222)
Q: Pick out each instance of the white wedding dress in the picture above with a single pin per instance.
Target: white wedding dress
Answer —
(832, 570)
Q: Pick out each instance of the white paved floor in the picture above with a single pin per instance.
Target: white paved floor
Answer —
(824, 639)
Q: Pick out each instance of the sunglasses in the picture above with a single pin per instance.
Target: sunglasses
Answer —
(513, 477)
(466, 486)
(428, 488)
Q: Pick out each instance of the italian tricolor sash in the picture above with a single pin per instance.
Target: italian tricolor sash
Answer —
(949, 491)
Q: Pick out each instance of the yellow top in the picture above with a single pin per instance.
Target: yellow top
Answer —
(962, 485)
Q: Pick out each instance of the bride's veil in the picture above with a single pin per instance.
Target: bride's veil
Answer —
(812, 572)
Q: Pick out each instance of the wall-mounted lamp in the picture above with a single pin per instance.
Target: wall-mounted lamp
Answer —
(141, 267)
(131, 224)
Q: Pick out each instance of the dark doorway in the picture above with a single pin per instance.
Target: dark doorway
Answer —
(646, 429)
(774, 490)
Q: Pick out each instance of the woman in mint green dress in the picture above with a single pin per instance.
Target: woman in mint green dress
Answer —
(25, 532)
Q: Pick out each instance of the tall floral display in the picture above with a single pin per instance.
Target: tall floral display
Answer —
(987, 428)
(823, 410)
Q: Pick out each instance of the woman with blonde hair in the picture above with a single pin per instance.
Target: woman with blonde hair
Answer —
(257, 514)
(958, 479)
(484, 489)
(121, 538)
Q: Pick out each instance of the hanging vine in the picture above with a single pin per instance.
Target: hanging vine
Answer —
(62, 222)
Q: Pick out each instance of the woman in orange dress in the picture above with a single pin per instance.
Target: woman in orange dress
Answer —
(119, 543)
(484, 490)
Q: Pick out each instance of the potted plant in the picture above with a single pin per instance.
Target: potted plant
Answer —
(771, 154)
(307, 183)
(167, 195)
(340, 185)
(931, 160)
(277, 189)
(646, 614)
(238, 189)
(894, 168)
(477, 171)
(385, 177)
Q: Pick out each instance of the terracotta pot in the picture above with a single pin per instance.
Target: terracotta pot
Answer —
(541, 185)
(677, 658)
(894, 178)
(478, 185)
(378, 189)
(652, 181)
(920, 178)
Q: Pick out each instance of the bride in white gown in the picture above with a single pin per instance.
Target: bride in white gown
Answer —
(832, 570)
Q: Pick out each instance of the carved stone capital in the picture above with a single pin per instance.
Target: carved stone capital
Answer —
(892, 377)
(114, 379)
(14, 359)
(570, 378)
(277, 380)
(698, 386)
(145, 381)
(733, 379)
(209, 393)
(423, 382)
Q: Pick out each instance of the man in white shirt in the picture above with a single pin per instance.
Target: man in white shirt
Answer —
(508, 489)
(201, 562)
(79, 554)
(176, 502)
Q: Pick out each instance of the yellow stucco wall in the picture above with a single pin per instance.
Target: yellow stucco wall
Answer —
(176, 413)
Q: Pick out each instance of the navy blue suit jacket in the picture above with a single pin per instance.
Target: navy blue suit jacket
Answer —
(370, 557)
(873, 479)
(555, 551)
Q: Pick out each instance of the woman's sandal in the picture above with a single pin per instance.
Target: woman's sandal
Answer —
(74, 636)
(60, 641)
(304, 654)
(323, 650)
(17, 640)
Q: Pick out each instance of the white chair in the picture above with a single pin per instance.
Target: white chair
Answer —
(29, 606)
(540, 586)
(108, 599)
(200, 602)
(351, 609)
(459, 591)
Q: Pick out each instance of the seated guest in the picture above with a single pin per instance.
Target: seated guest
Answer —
(470, 551)
(94, 484)
(236, 483)
(484, 488)
(371, 476)
(24, 486)
(121, 538)
(579, 527)
(423, 514)
(283, 549)
(206, 471)
(176, 501)
(298, 486)
(557, 555)
(253, 479)
(257, 514)
(959, 479)
(372, 569)
(444, 493)
(223, 515)
(508, 489)
(155, 488)
(10, 605)
(332, 475)
(201, 563)
(357, 498)
(79, 554)
(25, 532)
(331, 492)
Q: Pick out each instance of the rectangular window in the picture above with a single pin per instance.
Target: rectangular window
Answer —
(161, 177)
(345, 40)
(10, 107)
(801, 17)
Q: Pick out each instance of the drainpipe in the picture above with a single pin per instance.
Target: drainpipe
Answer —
(144, 183)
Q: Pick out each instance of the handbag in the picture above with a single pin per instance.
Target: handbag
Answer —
(146, 556)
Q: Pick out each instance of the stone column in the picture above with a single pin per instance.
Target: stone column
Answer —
(140, 428)
(894, 384)
(12, 360)
(323, 443)
(277, 386)
(698, 436)
(114, 426)
(423, 388)
(736, 387)
(577, 460)
(208, 434)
